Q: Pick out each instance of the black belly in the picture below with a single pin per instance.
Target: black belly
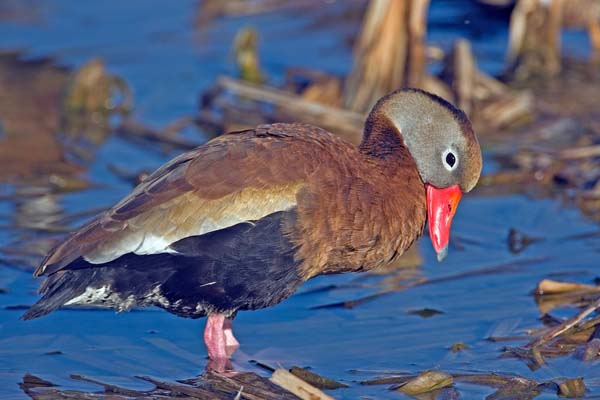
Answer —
(244, 267)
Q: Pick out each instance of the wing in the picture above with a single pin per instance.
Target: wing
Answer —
(238, 177)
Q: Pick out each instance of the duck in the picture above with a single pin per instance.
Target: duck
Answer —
(242, 221)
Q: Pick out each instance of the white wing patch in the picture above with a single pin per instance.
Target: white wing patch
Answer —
(104, 296)
(152, 244)
(91, 296)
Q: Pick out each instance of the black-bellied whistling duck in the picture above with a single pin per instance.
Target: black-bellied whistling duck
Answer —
(242, 221)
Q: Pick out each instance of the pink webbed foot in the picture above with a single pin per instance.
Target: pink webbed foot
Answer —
(220, 342)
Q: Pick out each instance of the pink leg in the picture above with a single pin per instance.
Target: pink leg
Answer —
(231, 343)
(220, 342)
(214, 337)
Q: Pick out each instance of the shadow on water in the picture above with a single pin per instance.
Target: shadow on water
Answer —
(352, 328)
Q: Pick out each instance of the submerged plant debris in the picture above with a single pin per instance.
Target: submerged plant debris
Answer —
(577, 335)
(208, 386)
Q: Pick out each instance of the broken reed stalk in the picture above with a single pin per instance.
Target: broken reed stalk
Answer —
(297, 386)
(390, 51)
(555, 20)
(484, 98)
(345, 123)
(534, 36)
(316, 380)
(565, 326)
(379, 54)
(417, 28)
(137, 131)
(107, 387)
(575, 153)
(463, 64)
(535, 32)
(571, 153)
(551, 287)
(191, 391)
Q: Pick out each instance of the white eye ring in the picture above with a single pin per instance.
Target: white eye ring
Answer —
(450, 159)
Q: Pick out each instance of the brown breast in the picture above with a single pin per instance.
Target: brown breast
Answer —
(359, 215)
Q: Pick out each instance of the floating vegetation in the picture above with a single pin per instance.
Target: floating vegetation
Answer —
(558, 338)
(282, 385)
(507, 386)
(317, 381)
(459, 346)
(425, 382)
(285, 385)
(207, 386)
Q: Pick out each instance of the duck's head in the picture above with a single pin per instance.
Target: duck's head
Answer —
(441, 141)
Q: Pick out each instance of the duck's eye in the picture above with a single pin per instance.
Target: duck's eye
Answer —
(449, 159)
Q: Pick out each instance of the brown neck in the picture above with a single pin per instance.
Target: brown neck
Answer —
(381, 139)
(383, 144)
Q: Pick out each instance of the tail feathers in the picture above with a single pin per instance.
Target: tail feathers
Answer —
(57, 290)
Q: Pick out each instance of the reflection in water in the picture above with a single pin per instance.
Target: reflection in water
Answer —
(20, 11)
(36, 208)
(91, 97)
(52, 124)
(30, 112)
(46, 112)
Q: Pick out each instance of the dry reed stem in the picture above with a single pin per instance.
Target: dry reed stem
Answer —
(297, 386)
(549, 286)
(380, 54)
(464, 74)
(347, 124)
(575, 153)
(565, 326)
(417, 27)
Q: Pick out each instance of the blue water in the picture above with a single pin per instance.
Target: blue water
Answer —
(154, 46)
